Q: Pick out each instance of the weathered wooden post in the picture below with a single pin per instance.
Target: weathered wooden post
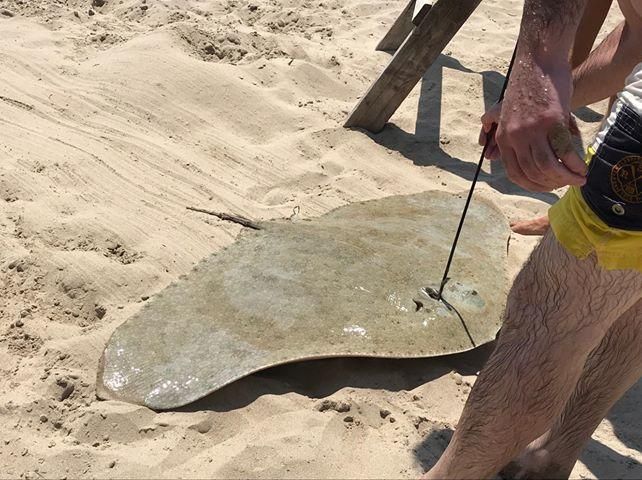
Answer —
(437, 25)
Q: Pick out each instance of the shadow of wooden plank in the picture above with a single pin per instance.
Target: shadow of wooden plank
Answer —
(408, 65)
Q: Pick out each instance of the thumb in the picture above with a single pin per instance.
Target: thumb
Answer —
(492, 114)
(562, 144)
(490, 118)
(487, 120)
(574, 163)
(483, 136)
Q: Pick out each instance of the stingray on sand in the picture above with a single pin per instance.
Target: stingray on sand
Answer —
(349, 283)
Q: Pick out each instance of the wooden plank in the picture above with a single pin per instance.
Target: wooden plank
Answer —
(399, 30)
(422, 7)
(407, 66)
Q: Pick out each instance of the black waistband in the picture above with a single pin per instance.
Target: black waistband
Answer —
(614, 182)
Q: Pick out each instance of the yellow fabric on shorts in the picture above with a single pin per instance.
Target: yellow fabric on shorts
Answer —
(582, 232)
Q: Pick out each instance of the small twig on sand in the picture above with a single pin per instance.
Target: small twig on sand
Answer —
(246, 222)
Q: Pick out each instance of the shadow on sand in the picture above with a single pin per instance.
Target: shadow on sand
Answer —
(321, 378)
(423, 147)
(626, 421)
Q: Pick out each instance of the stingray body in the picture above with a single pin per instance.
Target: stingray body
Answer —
(349, 283)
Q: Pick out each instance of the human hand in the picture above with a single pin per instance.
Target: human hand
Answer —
(489, 121)
(533, 133)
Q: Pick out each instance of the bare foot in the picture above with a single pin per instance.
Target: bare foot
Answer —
(537, 226)
(536, 463)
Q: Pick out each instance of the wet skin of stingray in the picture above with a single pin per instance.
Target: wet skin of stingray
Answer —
(349, 283)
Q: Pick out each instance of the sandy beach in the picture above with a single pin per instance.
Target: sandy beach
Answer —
(117, 116)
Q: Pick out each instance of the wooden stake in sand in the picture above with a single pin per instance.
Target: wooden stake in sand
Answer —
(410, 17)
(437, 25)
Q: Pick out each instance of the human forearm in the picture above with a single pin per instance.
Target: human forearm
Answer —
(546, 37)
(606, 68)
(536, 106)
(548, 30)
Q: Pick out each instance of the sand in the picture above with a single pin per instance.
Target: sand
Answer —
(114, 122)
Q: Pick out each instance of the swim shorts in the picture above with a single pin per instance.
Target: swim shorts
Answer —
(605, 215)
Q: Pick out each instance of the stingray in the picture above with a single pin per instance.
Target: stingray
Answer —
(351, 283)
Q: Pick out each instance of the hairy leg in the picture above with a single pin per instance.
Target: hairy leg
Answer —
(611, 369)
(557, 312)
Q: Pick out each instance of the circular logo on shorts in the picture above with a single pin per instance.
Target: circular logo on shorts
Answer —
(626, 179)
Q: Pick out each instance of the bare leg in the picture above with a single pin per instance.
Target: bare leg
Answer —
(613, 368)
(558, 311)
